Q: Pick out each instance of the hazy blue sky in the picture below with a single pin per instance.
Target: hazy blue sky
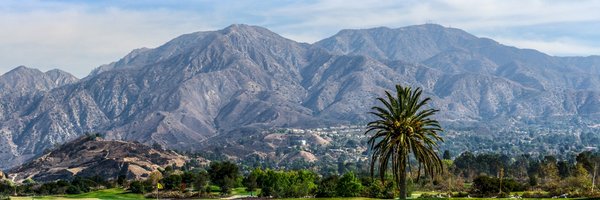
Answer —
(77, 36)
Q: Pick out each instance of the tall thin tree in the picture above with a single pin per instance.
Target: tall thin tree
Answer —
(404, 127)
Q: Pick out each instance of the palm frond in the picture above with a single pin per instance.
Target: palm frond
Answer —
(404, 127)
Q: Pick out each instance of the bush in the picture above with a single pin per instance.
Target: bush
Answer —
(490, 186)
(73, 190)
(281, 184)
(58, 187)
(172, 182)
(169, 194)
(348, 186)
(6, 187)
(140, 187)
(390, 191)
(374, 190)
(432, 196)
(327, 187)
(573, 187)
(535, 195)
(84, 184)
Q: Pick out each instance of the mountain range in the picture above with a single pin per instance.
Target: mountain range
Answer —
(240, 79)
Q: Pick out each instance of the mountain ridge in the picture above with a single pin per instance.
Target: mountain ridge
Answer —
(206, 84)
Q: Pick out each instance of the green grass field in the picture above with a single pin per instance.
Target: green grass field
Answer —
(115, 193)
(362, 198)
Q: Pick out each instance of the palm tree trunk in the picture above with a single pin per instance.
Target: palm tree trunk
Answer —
(402, 184)
(594, 176)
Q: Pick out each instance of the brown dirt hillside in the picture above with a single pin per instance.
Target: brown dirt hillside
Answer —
(90, 156)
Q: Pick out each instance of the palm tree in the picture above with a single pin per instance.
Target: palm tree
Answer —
(403, 127)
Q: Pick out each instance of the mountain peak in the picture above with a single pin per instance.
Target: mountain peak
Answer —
(239, 27)
(428, 26)
(248, 30)
(412, 43)
(25, 80)
(234, 42)
(23, 69)
(60, 77)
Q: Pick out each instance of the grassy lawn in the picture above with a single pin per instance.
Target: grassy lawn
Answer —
(353, 198)
(115, 193)
(362, 198)
(242, 191)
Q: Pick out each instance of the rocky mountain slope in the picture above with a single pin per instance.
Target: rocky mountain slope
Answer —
(224, 83)
(23, 80)
(90, 156)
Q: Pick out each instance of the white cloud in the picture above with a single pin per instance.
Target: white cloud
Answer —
(77, 40)
(558, 47)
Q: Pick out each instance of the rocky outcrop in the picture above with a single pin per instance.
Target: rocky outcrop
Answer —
(93, 156)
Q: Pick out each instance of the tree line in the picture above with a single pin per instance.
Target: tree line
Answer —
(489, 174)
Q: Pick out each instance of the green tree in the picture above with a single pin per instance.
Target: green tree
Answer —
(446, 155)
(251, 181)
(302, 183)
(348, 186)
(6, 187)
(283, 184)
(155, 177)
(201, 182)
(577, 184)
(188, 178)
(549, 174)
(327, 186)
(403, 126)
(591, 162)
(490, 186)
(172, 182)
(224, 175)
(139, 187)
(73, 190)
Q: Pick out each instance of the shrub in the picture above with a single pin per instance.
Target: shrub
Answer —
(73, 190)
(327, 186)
(490, 186)
(172, 182)
(535, 195)
(374, 189)
(170, 195)
(432, 196)
(348, 186)
(6, 187)
(460, 194)
(280, 184)
(140, 187)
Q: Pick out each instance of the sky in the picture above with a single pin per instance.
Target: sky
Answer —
(78, 36)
